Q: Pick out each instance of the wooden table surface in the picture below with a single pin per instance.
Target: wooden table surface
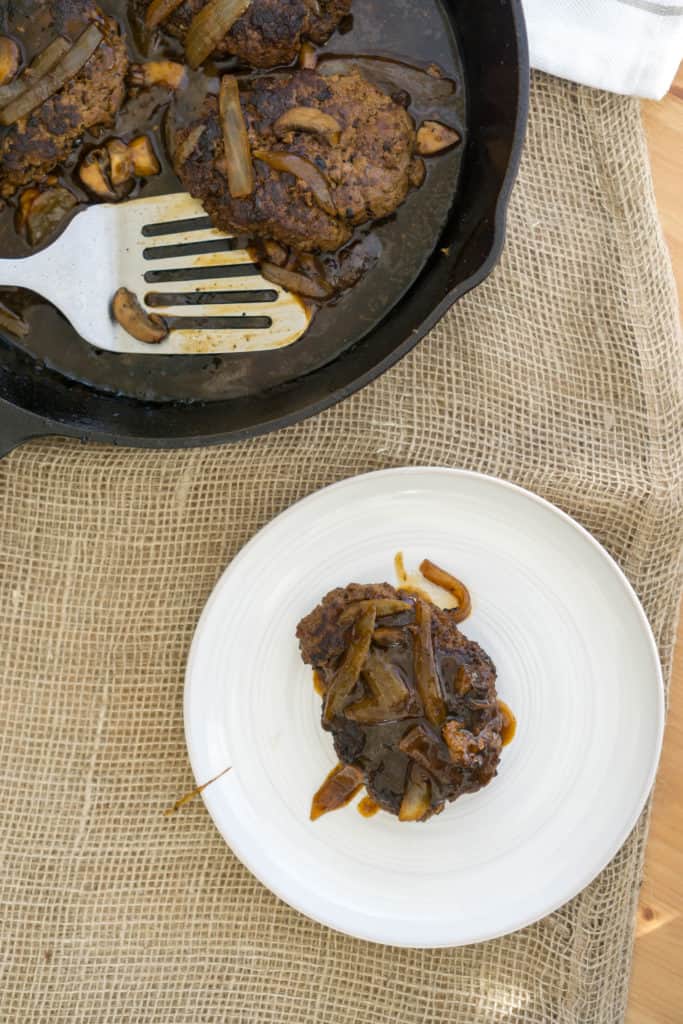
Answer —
(657, 983)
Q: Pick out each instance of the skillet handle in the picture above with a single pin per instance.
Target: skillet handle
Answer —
(17, 426)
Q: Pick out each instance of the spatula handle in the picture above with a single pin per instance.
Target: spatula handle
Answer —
(33, 272)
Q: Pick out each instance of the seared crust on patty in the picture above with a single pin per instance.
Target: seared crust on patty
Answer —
(368, 170)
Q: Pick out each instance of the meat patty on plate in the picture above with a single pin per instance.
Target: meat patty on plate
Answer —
(406, 748)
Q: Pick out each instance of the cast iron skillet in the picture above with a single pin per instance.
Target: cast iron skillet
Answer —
(488, 52)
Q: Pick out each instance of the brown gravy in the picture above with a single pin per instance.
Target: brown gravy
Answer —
(368, 807)
(509, 723)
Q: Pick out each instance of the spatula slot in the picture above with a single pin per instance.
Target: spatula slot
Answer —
(163, 252)
(219, 323)
(201, 273)
(157, 300)
(177, 227)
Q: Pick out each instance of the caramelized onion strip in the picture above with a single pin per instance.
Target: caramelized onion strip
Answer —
(209, 26)
(305, 171)
(235, 140)
(452, 584)
(66, 69)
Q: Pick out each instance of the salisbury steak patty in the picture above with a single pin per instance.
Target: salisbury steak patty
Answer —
(33, 147)
(368, 165)
(270, 32)
(411, 702)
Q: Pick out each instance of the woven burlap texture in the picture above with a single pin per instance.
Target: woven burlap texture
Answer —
(563, 374)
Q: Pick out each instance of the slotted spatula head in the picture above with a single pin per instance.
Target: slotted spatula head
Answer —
(166, 252)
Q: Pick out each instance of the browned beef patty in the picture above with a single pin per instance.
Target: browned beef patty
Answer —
(36, 144)
(270, 32)
(369, 170)
(461, 753)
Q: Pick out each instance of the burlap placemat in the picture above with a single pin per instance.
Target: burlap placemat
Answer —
(562, 373)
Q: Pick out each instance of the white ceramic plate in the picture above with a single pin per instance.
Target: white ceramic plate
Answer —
(576, 662)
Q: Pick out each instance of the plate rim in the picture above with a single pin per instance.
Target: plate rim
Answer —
(209, 795)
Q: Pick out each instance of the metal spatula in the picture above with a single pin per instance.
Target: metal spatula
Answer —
(166, 252)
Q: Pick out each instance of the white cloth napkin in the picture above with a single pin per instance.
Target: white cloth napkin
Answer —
(627, 46)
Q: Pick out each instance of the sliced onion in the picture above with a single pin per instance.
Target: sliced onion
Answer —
(308, 57)
(209, 26)
(383, 608)
(417, 799)
(308, 119)
(12, 323)
(417, 172)
(66, 69)
(235, 140)
(26, 201)
(440, 578)
(275, 252)
(187, 147)
(338, 789)
(159, 11)
(46, 212)
(303, 169)
(299, 284)
(43, 63)
(426, 675)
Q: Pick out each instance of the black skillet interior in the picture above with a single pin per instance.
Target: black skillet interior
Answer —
(442, 242)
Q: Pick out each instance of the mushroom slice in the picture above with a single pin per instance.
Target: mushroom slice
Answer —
(311, 120)
(143, 326)
(10, 58)
(144, 159)
(120, 163)
(434, 137)
(94, 175)
(304, 170)
(298, 284)
(168, 74)
(275, 252)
